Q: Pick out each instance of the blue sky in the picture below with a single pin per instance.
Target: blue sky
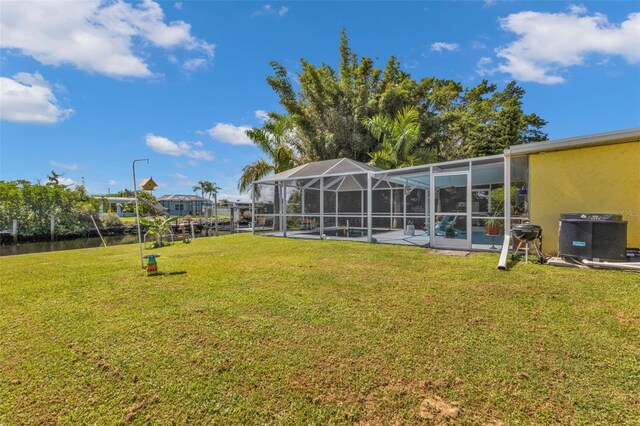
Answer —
(88, 87)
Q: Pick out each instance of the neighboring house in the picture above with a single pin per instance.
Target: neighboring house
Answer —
(184, 205)
(116, 205)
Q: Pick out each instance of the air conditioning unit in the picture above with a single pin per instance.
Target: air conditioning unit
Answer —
(593, 236)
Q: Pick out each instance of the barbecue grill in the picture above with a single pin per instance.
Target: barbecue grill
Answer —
(525, 235)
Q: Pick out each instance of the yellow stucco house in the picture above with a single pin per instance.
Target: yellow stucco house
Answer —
(597, 173)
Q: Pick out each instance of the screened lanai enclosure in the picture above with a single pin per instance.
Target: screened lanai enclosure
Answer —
(458, 204)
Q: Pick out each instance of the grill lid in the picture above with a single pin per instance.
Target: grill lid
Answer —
(526, 227)
(526, 231)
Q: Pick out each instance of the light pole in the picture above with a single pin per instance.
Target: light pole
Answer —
(135, 191)
(215, 208)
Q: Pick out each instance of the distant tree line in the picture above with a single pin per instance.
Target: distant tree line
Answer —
(34, 204)
(385, 117)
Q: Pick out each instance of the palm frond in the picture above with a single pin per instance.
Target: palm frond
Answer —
(278, 140)
(379, 126)
(399, 136)
(262, 138)
(384, 158)
(253, 172)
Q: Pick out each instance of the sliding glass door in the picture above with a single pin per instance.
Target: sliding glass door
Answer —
(451, 215)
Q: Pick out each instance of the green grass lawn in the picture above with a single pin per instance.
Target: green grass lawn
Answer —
(253, 330)
(128, 219)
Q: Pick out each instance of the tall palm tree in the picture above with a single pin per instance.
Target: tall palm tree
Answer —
(203, 185)
(211, 188)
(277, 141)
(208, 188)
(399, 136)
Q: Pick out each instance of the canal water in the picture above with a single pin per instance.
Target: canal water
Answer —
(78, 243)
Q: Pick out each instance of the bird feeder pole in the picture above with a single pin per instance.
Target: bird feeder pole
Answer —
(135, 191)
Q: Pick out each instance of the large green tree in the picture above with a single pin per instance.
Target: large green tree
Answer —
(481, 120)
(510, 125)
(331, 106)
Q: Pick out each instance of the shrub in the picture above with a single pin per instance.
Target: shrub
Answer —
(33, 205)
(110, 220)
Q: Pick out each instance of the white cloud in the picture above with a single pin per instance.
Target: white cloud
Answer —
(478, 45)
(411, 65)
(577, 9)
(186, 183)
(71, 167)
(550, 43)
(177, 149)
(66, 181)
(179, 176)
(102, 36)
(440, 46)
(194, 64)
(28, 98)
(111, 182)
(261, 115)
(229, 133)
(485, 66)
(178, 5)
(268, 9)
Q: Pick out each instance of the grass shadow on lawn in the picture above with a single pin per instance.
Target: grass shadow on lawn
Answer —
(165, 274)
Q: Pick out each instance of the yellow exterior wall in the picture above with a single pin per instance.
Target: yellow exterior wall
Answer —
(600, 179)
